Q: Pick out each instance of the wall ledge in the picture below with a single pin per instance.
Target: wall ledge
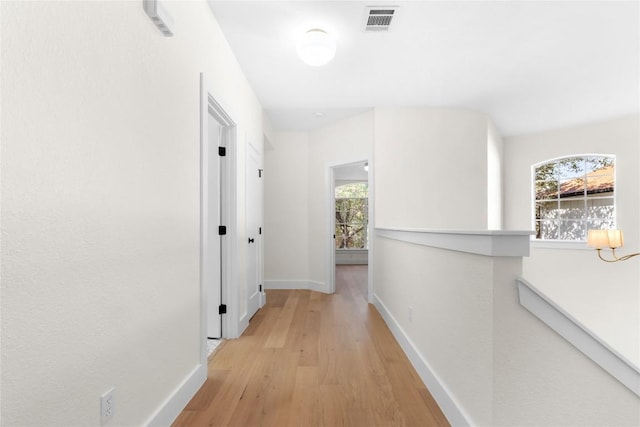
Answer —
(579, 336)
(509, 243)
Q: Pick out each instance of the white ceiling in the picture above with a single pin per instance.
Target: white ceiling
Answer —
(354, 172)
(530, 65)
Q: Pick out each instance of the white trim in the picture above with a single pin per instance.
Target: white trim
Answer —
(169, 410)
(370, 233)
(243, 323)
(297, 284)
(231, 327)
(512, 243)
(331, 219)
(318, 286)
(579, 336)
(447, 402)
(560, 244)
(203, 292)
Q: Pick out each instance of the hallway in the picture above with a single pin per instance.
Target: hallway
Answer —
(311, 359)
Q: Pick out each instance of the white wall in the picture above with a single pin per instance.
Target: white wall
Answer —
(100, 213)
(348, 141)
(450, 296)
(427, 158)
(604, 297)
(495, 183)
(286, 226)
(486, 359)
(298, 170)
(495, 361)
(540, 379)
(619, 137)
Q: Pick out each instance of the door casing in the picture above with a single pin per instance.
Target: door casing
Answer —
(228, 192)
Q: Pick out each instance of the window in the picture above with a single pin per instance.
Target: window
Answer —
(352, 216)
(574, 194)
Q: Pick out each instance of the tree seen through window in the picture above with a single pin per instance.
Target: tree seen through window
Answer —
(351, 215)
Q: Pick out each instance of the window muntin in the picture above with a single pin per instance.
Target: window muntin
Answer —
(352, 209)
(574, 194)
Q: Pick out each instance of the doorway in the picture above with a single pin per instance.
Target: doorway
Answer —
(218, 230)
(351, 218)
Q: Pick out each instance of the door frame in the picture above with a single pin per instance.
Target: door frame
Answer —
(330, 191)
(228, 208)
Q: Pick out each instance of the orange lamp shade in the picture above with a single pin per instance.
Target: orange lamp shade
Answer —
(600, 239)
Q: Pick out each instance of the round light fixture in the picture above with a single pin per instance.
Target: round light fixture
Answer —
(316, 47)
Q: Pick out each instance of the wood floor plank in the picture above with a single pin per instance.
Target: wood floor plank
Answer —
(280, 331)
(297, 328)
(436, 412)
(210, 389)
(312, 359)
(309, 345)
(304, 401)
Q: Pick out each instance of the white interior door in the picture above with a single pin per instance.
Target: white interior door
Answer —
(211, 260)
(254, 229)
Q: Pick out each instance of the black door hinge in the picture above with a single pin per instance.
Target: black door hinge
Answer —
(259, 230)
(260, 173)
(222, 230)
(222, 309)
(222, 151)
(260, 288)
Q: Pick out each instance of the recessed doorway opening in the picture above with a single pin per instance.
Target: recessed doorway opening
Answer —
(351, 213)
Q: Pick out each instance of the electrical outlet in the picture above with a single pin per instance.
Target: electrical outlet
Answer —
(410, 314)
(107, 406)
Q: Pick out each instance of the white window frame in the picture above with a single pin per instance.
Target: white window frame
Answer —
(559, 243)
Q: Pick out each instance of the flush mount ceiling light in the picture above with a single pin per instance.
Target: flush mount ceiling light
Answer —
(316, 47)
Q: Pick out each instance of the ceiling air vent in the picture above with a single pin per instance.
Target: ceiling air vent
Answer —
(379, 18)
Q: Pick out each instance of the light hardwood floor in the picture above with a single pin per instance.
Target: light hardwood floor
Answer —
(311, 359)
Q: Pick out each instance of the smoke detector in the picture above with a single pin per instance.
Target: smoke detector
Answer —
(379, 18)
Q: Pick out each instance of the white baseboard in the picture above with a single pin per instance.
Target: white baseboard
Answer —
(243, 324)
(447, 402)
(297, 284)
(176, 402)
(352, 261)
(352, 256)
(318, 287)
(286, 284)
